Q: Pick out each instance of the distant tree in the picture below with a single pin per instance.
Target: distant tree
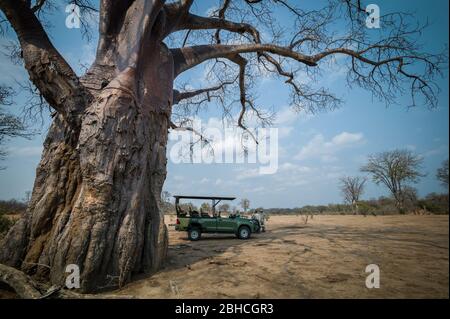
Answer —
(352, 188)
(206, 207)
(395, 169)
(165, 196)
(12, 206)
(188, 207)
(10, 125)
(245, 204)
(166, 205)
(224, 208)
(442, 173)
(435, 203)
(410, 198)
(27, 197)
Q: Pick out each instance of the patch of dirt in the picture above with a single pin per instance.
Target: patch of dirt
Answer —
(326, 258)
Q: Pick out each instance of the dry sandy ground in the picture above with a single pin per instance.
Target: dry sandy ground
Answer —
(326, 258)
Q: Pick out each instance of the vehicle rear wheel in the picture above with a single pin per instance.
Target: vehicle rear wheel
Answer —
(244, 232)
(194, 234)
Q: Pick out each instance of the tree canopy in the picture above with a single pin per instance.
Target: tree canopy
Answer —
(239, 41)
(395, 170)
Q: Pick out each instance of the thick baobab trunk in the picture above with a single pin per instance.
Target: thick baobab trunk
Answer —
(96, 198)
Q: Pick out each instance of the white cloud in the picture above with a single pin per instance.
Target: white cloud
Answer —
(318, 147)
(288, 115)
(247, 173)
(285, 119)
(259, 189)
(346, 138)
(291, 168)
(284, 171)
(441, 150)
(178, 178)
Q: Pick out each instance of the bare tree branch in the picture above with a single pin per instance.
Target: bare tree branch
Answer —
(189, 57)
(38, 6)
(179, 96)
(48, 70)
(241, 62)
(195, 22)
(221, 15)
(352, 188)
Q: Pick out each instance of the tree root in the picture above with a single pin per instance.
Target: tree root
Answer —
(26, 288)
(22, 284)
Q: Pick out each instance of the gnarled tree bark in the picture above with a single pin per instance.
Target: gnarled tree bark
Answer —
(95, 201)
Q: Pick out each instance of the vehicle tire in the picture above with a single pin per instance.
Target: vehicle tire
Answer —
(194, 234)
(244, 232)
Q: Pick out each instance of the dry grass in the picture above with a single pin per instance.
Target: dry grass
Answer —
(324, 258)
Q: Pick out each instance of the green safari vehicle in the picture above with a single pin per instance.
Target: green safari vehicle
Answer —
(196, 223)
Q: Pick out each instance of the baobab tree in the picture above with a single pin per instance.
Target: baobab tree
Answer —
(396, 170)
(96, 198)
(352, 188)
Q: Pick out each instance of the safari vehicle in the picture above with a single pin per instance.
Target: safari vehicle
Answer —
(198, 222)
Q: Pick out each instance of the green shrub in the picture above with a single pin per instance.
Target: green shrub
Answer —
(435, 203)
(12, 206)
(5, 224)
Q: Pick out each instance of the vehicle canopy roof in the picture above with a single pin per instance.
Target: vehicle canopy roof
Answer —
(204, 197)
(215, 200)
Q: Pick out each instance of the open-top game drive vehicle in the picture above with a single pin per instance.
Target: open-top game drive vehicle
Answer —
(198, 222)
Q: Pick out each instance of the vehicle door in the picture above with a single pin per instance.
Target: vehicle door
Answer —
(226, 224)
(209, 224)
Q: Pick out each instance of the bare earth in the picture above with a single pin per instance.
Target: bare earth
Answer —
(326, 258)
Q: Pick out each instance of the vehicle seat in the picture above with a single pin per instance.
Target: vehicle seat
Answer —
(195, 213)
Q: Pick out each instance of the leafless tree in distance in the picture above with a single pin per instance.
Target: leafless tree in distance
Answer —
(442, 174)
(352, 188)
(395, 170)
(245, 204)
(205, 207)
(224, 208)
(166, 204)
(96, 199)
(10, 125)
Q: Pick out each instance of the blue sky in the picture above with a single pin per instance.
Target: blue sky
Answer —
(314, 151)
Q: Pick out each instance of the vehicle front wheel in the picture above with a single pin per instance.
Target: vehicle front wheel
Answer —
(244, 232)
(194, 234)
